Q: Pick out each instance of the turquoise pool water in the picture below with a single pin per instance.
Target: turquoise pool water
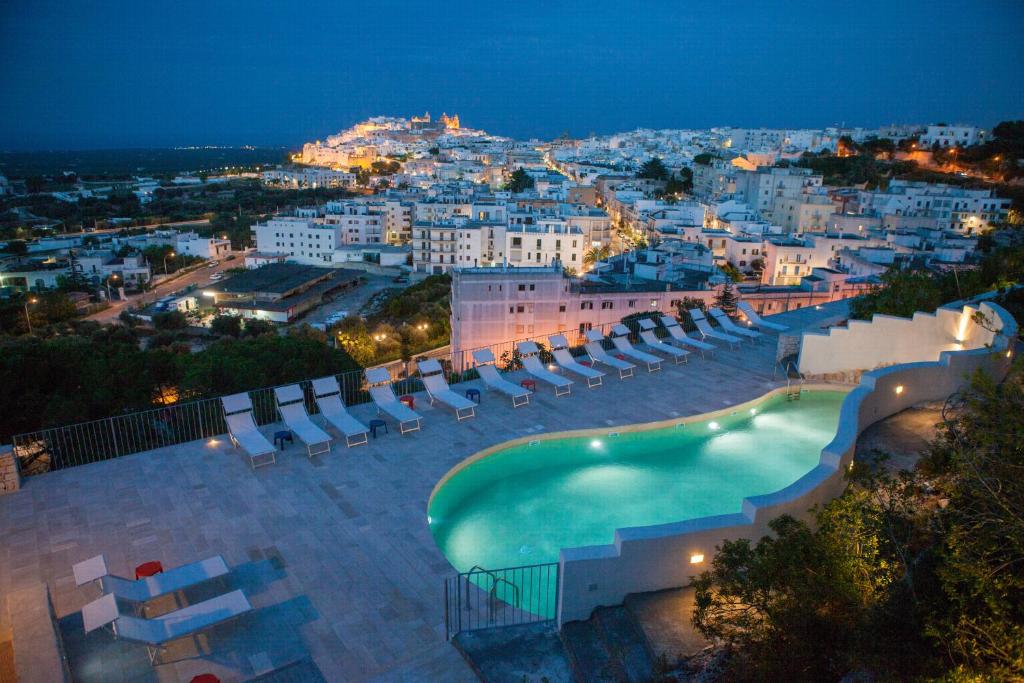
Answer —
(522, 504)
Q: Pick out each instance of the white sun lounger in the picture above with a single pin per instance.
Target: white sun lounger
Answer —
(327, 394)
(708, 332)
(598, 355)
(291, 403)
(437, 388)
(243, 432)
(620, 337)
(679, 336)
(142, 590)
(748, 311)
(648, 337)
(488, 372)
(530, 356)
(560, 350)
(383, 395)
(156, 633)
(726, 323)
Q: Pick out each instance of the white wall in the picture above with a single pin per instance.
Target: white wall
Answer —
(658, 557)
(886, 339)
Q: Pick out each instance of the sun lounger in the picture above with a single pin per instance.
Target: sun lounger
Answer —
(156, 633)
(678, 335)
(560, 350)
(620, 338)
(750, 314)
(142, 590)
(291, 403)
(648, 337)
(598, 355)
(383, 395)
(243, 431)
(530, 356)
(708, 332)
(488, 372)
(437, 388)
(726, 323)
(327, 395)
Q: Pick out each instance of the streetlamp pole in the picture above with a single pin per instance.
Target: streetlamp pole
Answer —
(171, 254)
(28, 318)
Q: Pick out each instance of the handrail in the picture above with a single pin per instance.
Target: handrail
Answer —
(515, 591)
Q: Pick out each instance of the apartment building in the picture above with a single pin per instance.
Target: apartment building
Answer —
(964, 210)
(358, 222)
(802, 212)
(952, 136)
(760, 189)
(308, 177)
(303, 240)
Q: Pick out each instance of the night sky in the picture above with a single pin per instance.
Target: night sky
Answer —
(80, 75)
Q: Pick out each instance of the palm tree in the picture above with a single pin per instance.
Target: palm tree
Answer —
(595, 254)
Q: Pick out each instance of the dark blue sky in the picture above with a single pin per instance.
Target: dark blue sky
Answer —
(76, 75)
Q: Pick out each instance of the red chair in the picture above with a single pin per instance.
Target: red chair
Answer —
(148, 569)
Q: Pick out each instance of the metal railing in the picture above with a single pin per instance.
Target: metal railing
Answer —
(55, 448)
(487, 598)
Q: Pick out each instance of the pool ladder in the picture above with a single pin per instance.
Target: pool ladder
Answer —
(793, 389)
(492, 595)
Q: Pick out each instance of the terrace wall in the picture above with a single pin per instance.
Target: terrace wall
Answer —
(658, 557)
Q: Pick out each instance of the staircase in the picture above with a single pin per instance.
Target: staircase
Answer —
(630, 643)
(608, 648)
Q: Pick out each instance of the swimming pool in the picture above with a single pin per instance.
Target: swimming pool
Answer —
(521, 504)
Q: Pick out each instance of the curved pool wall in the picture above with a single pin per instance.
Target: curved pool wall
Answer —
(658, 557)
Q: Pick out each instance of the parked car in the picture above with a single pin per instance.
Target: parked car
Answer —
(217, 276)
(229, 257)
(401, 279)
(211, 264)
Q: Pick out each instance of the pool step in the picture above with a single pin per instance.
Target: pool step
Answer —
(589, 657)
(623, 638)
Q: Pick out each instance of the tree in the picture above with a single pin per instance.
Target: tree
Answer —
(170, 321)
(727, 299)
(732, 271)
(595, 254)
(255, 327)
(520, 181)
(226, 326)
(704, 158)
(653, 169)
(75, 280)
(17, 247)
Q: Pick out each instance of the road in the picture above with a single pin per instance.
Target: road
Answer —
(200, 277)
(151, 226)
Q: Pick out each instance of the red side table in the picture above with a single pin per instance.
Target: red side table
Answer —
(529, 384)
(409, 401)
(205, 678)
(148, 569)
(585, 362)
(620, 356)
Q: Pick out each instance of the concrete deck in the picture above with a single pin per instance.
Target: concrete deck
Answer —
(334, 552)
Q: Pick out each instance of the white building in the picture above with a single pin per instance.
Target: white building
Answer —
(308, 177)
(192, 244)
(952, 136)
(302, 240)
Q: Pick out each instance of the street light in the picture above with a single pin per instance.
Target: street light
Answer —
(169, 254)
(113, 276)
(28, 318)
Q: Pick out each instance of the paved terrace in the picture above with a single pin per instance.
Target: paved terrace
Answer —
(334, 553)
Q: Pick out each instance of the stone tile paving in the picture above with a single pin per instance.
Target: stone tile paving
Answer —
(334, 553)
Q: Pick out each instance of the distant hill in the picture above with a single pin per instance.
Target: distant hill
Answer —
(129, 162)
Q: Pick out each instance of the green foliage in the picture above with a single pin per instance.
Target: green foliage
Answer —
(596, 254)
(49, 308)
(727, 299)
(684, 306)
(255, 327)
(904, 292)
(16, 247)
(520, 181)
(704, 158)
(226, 326)
(170, 321)
(732, 271)
(653, 169)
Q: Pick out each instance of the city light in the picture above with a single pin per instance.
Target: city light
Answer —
(696, 558)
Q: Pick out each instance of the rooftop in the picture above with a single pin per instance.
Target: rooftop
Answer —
(275, 278)
(334, 553)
